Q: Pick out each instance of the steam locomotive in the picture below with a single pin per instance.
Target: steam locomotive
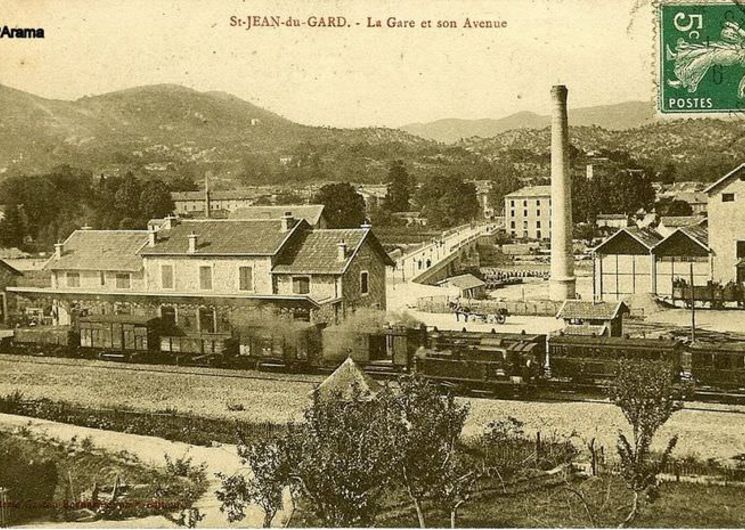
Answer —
(469, 360)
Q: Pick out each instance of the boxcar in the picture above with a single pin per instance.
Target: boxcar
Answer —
(119, 336)
(211, 349)
(391, 349)
(719, 365)
(262, 347)
(45, 340)
(595, 359)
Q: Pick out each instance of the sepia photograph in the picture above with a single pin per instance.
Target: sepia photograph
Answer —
(355, 264)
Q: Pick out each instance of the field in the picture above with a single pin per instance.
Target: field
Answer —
(680, 505)
(717, 432)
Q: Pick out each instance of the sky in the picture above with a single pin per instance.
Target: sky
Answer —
(347, 77)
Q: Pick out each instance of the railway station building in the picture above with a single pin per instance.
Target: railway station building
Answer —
(212, 275)
(646, 260)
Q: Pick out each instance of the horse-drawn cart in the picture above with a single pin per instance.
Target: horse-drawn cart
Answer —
(499, 316)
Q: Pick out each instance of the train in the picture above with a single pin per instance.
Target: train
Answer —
(467, 360)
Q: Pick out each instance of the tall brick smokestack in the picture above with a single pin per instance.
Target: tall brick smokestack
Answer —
(562, 281)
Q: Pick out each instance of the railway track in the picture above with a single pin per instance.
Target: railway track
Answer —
(554, 392)
(233, 373)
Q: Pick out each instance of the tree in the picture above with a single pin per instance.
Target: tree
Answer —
(268, 479)
(11, 227)
(398, 196)
(447, 201)
(647, 394)
(431, 427)
(127, 196)
(339, 460)
(155, 200)
(677, 207)
(344, 458)
(668, 173)
(345, 208)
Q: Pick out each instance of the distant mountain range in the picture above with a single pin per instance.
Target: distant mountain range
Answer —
(170, 130)
(613, 117)
(158, 124)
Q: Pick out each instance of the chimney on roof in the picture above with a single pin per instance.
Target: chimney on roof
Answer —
(59, 249)
(590, 172)
(341, 253)
(169, 222)
(152, 236)
(288, 221)
(192, 242)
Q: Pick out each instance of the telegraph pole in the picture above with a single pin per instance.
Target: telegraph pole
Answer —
(693, 307)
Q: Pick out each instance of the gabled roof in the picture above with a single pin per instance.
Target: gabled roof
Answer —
(463, 281)
(531, 191)
(738, 172)
(10, 268)
(317, 251)
(647, 237)
(581, 309)
(310, 212)
(224, 237)
(698, 235)
(343, 382)
(108, 250)
(608, 216)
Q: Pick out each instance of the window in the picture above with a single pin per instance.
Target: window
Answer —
(102, 277)
(73, 279)
(123, 280)
(525, 204)
(740, 249)
(205, 277)
(537, 224)
(512, 224)
(168, 314)
(538, 202)
(538, 213)
(166, 276)
(538, 234)
(301, 284)
(512, 203)
(512, 213)
(525, 213)
(728, 197)
(246, 278)
(207, 319)
(525, 224)
(364, 282)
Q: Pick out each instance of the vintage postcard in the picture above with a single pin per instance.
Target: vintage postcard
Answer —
(332, 264)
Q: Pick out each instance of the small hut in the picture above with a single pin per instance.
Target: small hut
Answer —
(349, 382)
(593, 318)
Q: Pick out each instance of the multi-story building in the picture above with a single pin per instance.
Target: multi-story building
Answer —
(726, 224)
(527, 213)
(210, 275)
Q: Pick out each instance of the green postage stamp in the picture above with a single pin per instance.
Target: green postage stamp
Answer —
(702, 57)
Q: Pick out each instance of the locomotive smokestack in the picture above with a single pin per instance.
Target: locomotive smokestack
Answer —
(562, 281)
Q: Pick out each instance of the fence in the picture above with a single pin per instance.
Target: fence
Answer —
(439, 304)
